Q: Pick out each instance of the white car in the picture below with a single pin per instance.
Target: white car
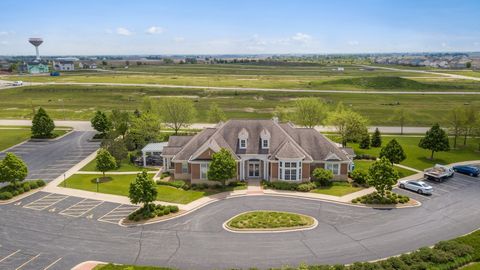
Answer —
(418, 186)
(17, 83)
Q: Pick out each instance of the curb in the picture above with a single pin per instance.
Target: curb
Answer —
(87, 265)
(21, 196)
(227, 228)
(50, 140)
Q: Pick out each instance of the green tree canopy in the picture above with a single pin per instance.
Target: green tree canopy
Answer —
(12, 169)
(309, 112)
(100, 122)
(105, 161)
(376, 138)
(322, 176)
(117, 148)
(382, 176)
(142, 190)
(435, 140)
(216, 114)
(393, 151)
(120, 121)
(42, 124)
(177, 113)
(401, 116)
(350, 125)
(222, 167)
(365, 141)
(144, 129)
(456, 121)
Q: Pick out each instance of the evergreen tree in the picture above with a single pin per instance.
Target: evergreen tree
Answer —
(393, 151)
(100, 122)
(435, 140)
(365, 142)
(376, 139)
(42, 124)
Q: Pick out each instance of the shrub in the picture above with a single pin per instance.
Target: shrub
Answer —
(6, 195)
(281, 185)
(365, 156)
(166, 211)
(176, 183)
(33, 184)
(306, 187)
(40, 183)
(174, 209)
(26, 186)
(322, 177)
(359, 176)
(375, 198)
(151, 210)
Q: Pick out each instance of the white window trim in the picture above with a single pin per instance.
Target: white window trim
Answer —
(263, 145)
(330, 166)
(297, 170)
(203, 171)
(184, 167)
(240, 143)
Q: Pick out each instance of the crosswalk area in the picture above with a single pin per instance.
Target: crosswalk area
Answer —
(45, 202)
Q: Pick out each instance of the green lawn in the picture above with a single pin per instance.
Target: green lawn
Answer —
(129, 267)
(365, 164)
(269, 220)
(126, 166)
(119, 185)
(419, 158)
(11, 137)
(337, 189)
(474, 266)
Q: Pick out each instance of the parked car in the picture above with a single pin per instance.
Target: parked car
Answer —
(418, 186)
(468, 170)
(17, 83)
(154, 160)
(438, 173)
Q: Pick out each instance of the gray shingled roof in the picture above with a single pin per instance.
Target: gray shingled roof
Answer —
(286, 141)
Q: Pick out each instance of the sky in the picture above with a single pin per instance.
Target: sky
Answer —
(112, 27)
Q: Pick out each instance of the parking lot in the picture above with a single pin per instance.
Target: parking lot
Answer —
(49, 159)
(17, 259)
(456, 183)
(75, 207)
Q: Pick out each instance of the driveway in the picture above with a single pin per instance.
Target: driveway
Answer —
(49, 159)
(197, 241)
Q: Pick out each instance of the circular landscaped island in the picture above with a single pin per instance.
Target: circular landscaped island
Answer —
(269, 221)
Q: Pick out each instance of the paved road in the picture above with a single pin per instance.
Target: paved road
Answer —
(49, 159)
(197, 241)
(218, 88)
(449, 75)
(86, 126)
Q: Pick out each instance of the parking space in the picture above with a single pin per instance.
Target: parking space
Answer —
(119, 213)
(25, 260)
(45, 202)
(81, 208)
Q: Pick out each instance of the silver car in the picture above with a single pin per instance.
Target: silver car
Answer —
(418, 186)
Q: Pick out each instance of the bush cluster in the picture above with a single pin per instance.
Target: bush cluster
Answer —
(359, 176)
(375, 198)
(176, 183)
(8, 192)
(151, 210)
(365, 157)
(280, 185)
(203, 186)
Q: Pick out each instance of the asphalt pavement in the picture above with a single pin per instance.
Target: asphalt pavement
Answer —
(74, 230)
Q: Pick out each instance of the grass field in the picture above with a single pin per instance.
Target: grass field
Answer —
(418, 158)
(269, 220)
(81, 102)
(365, 164)
(119, 185)
(14, 135)
(473, 266)
(337, 189)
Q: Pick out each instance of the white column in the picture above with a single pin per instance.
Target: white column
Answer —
(144, 159)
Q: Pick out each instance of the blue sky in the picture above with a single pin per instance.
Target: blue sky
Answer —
(239, 26)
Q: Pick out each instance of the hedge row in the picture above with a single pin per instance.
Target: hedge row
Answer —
(151, 211)
(280, 185)
(181, 184)
(375, 198)
(10, 191)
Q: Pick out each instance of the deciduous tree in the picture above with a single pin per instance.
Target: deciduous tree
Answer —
(456, 122)
(12, 169)
(177, 113)
(105, 161)
(142, 190)
(216, 114)
(382, 176)
(222, 167)
(309, 112)
(350, 125)
(435, 139)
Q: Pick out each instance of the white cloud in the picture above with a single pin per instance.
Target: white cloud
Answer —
(353, 43)
(124, 31)
(301, 37)
(154, 30)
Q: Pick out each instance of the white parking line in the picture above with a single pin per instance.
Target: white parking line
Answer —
(52, 264)
(10, 255)
(46, 201)
(81, 208)
(25, 263)
(118, 213)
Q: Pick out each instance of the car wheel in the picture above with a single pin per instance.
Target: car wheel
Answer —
(402, 186)
(419, 191)
(471, 174)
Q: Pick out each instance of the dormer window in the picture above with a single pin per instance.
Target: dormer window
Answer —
(242, 138)
(265, 144)
(265, 139)
(243, 144)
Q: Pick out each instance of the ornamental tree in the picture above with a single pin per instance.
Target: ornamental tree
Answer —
(382, 176)
(142, 190)
(177, 113)
(42, 124)
(393, 151)
(100, 122)
(216, 114)
(105, 161)
(309, 112)
(349, 124)
(12, 169)
(435, 140)
(222, 167)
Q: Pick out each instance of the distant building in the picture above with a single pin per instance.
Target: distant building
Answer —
(34, 67)
(64, 65)
(87, 65)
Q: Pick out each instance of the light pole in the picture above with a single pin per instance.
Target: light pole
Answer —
(98, 181)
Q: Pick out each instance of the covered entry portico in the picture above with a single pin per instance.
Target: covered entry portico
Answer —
(253, 168)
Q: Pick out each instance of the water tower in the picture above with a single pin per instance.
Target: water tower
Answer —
(36, 42)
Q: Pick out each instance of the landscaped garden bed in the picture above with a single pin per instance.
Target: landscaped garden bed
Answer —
(269, 220)
(334, 188)
(151, 213)
(390, 198)
(10, 191)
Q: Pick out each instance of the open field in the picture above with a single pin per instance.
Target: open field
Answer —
(80, 102)
(419, 158)
(365, 164)
(10, 136)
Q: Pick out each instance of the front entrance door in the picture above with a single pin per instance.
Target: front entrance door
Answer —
(254, 169)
